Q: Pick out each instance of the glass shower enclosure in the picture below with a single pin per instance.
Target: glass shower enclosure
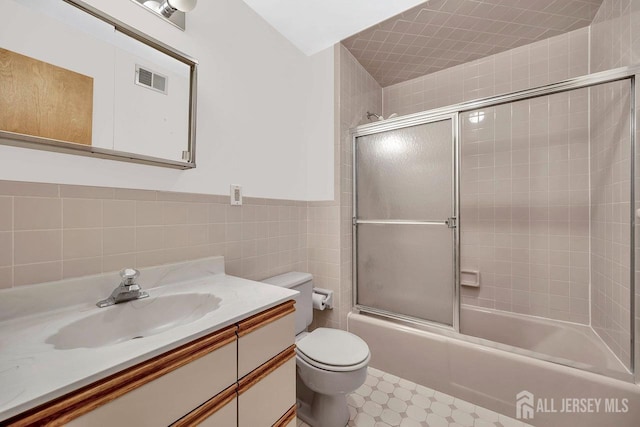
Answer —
(407, 221)
(533, 194)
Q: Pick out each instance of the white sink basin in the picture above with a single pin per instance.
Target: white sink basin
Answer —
(134, 320)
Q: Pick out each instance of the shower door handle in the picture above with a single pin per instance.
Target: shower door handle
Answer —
(446, 222)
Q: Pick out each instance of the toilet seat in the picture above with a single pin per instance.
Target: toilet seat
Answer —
(333, 350)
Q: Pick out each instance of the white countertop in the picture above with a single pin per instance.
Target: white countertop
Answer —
(33, 371)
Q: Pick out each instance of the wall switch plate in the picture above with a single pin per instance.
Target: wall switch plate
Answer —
(236, 195)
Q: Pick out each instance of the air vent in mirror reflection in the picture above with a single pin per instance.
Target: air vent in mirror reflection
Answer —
(151, 79)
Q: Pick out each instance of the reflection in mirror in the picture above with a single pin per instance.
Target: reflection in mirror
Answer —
(76, 81)
(172, 11)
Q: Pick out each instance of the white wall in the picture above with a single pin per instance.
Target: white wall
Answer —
(318, 133)
(265, 113)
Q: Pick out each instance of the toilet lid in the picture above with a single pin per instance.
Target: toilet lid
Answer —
(333, 347)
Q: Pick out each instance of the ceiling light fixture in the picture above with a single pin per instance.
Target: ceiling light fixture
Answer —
(169, 7)
(171, 11)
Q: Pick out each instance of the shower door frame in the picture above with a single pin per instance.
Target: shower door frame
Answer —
(455, 212)
(409, 120)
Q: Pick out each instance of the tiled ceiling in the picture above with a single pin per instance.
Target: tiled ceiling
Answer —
(439, 34)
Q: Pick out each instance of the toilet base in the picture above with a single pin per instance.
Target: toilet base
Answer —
(320, 410)
(325, 411)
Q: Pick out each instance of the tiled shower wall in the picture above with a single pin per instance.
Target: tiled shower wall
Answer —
(525, 206)
(526, 258)
(50, 232)
(330, 222)
(610, 215)
(615, 42)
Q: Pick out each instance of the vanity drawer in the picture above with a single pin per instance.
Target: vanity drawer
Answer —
(258, 404)
(221, 410)
(167, 398)
(156, 392)
(265, 335)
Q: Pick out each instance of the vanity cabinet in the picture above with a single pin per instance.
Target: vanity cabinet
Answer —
(264, 367)
(242, 375)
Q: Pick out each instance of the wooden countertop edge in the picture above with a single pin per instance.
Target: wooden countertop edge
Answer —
(208, 408)
(258, 374)
(289, 416)
(262, 319)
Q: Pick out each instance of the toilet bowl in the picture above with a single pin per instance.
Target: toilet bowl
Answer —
(330, 363)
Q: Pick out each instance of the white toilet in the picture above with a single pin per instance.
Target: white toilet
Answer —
(330, 363)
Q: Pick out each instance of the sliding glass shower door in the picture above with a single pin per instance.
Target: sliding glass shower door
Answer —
(405, 221)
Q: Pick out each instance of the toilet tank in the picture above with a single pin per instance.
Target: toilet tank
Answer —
(303, 283)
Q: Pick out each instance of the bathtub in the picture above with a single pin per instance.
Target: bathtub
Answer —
(566, 343)
(490, 374)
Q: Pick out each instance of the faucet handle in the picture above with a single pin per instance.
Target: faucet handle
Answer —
(129, 276)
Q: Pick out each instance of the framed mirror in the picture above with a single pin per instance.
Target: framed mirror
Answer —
(77, 81)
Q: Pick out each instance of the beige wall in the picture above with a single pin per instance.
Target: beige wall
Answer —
(50, 232)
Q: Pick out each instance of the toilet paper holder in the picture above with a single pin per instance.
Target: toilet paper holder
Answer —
(327, 296)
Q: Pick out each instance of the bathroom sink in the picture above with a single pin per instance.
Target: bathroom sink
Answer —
(134, 320)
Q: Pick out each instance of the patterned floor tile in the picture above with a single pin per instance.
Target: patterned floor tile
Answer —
(387, 400)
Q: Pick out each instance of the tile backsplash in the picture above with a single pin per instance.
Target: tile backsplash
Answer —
(50, 232)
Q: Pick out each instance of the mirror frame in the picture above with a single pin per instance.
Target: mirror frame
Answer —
(47, 144)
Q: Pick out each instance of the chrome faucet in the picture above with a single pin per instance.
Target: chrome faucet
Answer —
(127, 290)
